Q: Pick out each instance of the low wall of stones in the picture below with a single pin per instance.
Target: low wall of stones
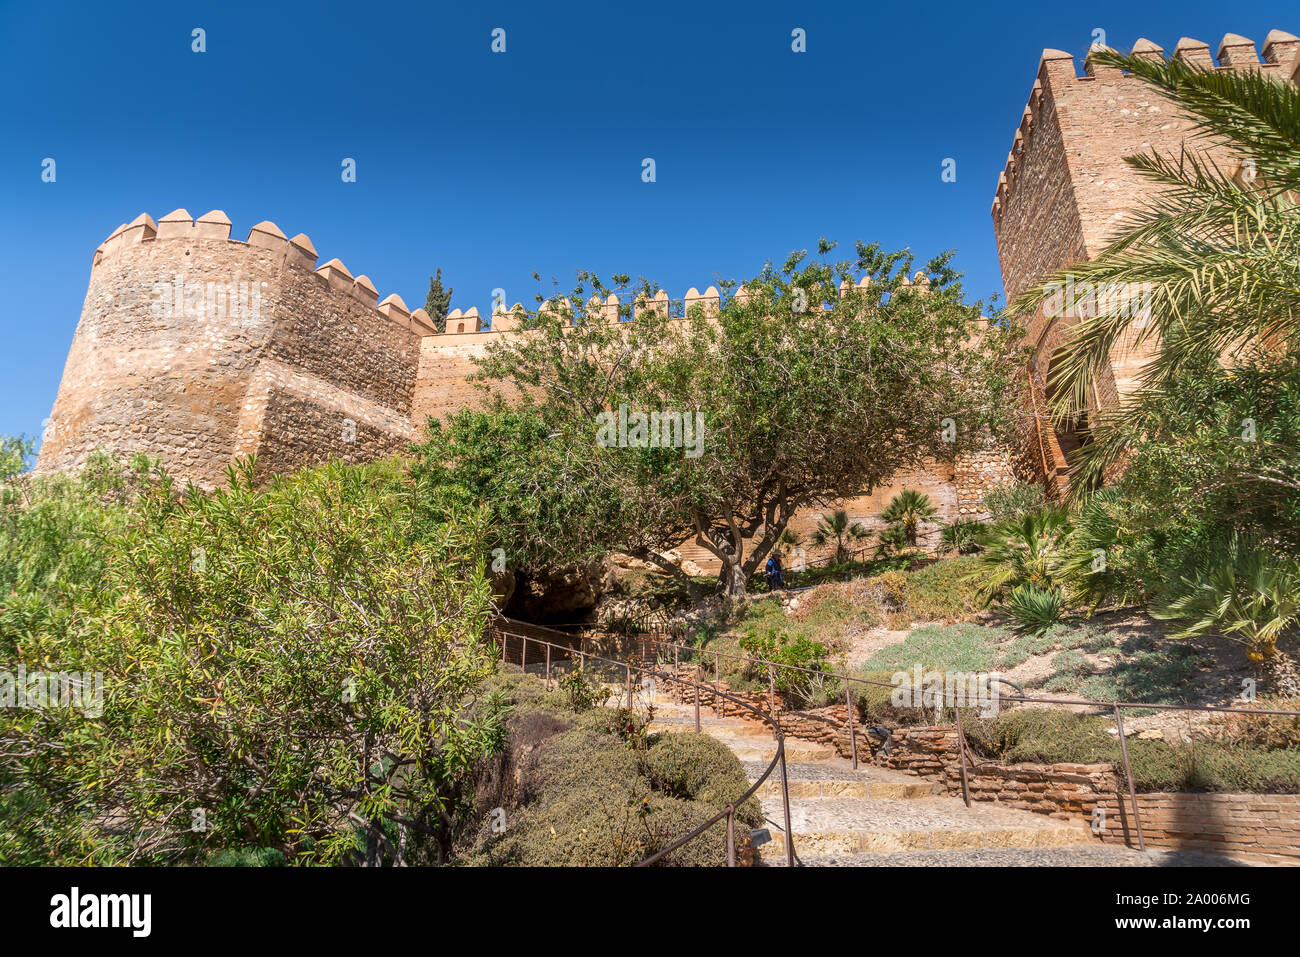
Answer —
(1253, 828)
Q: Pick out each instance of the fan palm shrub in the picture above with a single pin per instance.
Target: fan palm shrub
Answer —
(1109, 556)
(961, 536)
(1035, 609)
(905, 513)
(1248, 595)
(1023, 551)
(837, 528)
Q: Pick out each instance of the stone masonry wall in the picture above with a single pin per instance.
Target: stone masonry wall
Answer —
(195, 348)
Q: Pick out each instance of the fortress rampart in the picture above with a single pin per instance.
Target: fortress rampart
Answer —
(1066, 188)
(196, 348)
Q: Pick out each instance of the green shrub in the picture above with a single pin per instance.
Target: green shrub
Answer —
(1047, 736)
(698, 767)
(961, 537)
(801, 689)
(568, 790)
(247, 857)
(1034, 609)
(1014, 501)
(943, 590)
(227, 624)
(582, 692)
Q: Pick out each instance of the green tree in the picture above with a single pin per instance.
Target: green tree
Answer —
(438, 302)
(803, 395)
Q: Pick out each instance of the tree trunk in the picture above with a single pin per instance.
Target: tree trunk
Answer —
(734, 581)
(646, 554)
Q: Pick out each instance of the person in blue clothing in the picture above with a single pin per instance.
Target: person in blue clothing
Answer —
(770, 572)
(780, 572)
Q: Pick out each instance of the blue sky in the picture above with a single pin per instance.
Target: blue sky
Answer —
(495, 165)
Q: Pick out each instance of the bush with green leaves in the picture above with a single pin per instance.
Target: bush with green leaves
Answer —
(701, 768)
(962, 537)
(582, 692)
(1012, 501)
(1025, 550)
(566, 791)
(1041, 563)
(1047, 736)
(802, 667)
(285, 666)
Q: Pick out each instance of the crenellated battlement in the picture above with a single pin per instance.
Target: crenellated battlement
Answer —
(1057, 73)
(197, 347)
(300, 253)
(297, 253)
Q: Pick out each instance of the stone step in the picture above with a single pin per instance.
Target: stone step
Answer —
(832, 779)
(835, 779)
(813, 789)
(715, 729)
(831, 827)
(795, 750)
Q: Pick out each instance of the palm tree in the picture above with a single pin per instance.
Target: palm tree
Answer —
(1025, 551)
(905, 513)
(1247, 595)
(1217, 252)
(836, 527)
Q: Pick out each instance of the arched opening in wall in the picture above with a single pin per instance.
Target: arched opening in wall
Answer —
(1073, 432)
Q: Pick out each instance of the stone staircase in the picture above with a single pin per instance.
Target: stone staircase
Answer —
(876, 817)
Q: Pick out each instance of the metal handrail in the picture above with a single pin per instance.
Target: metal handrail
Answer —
(728, 812)
(1021, 698)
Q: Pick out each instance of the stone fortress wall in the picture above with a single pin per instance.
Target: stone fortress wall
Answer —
(1066, 188)
(198, 349)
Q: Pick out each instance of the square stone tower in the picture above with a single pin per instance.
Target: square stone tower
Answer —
(1066, 190)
